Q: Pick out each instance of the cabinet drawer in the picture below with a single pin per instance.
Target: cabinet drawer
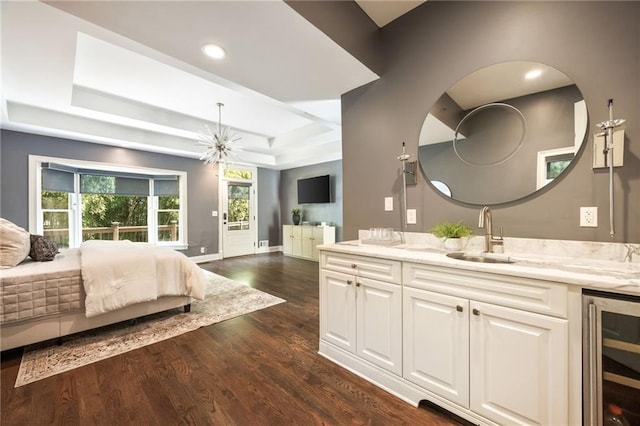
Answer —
(539, 296)
(366, 267)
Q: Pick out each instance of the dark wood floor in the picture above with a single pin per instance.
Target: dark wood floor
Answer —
(258, 369)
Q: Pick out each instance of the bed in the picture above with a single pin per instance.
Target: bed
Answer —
(46, 300)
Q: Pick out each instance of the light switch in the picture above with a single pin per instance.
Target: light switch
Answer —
(411, 216)
(388, 204)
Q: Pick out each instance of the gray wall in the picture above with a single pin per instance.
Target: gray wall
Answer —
(597, 44)
(15, 148)
(325, 212)
(269, 225)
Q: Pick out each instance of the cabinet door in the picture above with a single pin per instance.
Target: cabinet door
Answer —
(337, 309)
(317, 239)
(296, 240)
(519, 366)
(379, 323)
(287, 239)
(436, 343)
(307, 242)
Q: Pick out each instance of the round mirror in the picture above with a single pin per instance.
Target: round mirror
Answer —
(502, 133)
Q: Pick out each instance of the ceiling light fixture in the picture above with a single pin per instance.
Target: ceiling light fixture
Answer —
(533, 74)
(214, 51)
(219, 145)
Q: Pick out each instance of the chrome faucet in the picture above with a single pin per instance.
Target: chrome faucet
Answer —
(485, 219)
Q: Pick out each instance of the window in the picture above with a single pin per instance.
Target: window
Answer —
(55, 216)
(557, 164)
(114, 208)
(167, 192)
(552, 163)
(76, 203)
(238, 206)
(238, 174)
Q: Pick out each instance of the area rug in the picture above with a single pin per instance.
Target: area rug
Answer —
(225, 299)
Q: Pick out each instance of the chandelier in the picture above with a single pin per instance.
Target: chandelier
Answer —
(220, 144)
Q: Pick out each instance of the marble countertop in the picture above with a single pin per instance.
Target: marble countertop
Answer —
(600, 274)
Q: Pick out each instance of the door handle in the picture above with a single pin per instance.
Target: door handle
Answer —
(592, 336)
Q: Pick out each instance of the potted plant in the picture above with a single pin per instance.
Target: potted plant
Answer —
(452, 234)
(295, 216)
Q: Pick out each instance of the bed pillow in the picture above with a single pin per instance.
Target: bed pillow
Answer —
(42, 249)
(14, 244)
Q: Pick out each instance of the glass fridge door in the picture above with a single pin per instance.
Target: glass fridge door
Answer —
(617, 364)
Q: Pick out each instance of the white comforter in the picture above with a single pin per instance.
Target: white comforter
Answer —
(121, 273)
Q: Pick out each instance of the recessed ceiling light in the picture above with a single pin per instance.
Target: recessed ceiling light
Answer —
(533, 74)
(213, 51)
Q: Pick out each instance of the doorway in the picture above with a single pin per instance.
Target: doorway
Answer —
(239, 204)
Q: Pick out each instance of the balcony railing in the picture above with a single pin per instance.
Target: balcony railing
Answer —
(115, 232)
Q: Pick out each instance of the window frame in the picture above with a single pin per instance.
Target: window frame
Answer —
(75, 219)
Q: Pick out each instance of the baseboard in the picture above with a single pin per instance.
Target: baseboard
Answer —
(216, 256)
(206, 258)
(269, 249)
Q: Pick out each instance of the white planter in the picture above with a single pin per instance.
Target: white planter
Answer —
(454, 244)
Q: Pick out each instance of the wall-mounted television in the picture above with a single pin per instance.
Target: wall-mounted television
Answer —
(314, 190)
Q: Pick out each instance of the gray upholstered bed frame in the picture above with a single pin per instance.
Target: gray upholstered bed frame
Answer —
(21, 333)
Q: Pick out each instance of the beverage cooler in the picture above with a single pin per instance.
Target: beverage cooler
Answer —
(611, 359)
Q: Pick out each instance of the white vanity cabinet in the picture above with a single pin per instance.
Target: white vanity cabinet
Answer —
(302, 241)
(361, 308)
(496, 345)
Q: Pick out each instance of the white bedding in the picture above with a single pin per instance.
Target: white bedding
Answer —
(116, 274)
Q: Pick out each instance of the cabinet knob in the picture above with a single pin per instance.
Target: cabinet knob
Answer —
(358, 284)
(476, 312)
(349, 282)
(353, 265)
(459, 308)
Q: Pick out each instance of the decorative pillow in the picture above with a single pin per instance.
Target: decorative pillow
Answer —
(14, 244)
(42, 249)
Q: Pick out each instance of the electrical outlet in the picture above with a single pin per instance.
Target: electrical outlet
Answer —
(411, 216)
(203, 250)
(589, 217)
(388, 204)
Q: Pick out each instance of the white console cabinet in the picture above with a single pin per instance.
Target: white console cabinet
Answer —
(490, 348)
(302, 241)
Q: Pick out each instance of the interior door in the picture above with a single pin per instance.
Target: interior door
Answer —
(238, 219)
